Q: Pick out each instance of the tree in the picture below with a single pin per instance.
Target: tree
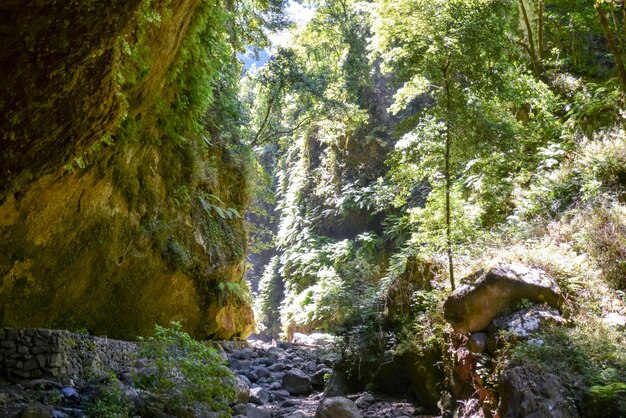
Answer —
(455, 54)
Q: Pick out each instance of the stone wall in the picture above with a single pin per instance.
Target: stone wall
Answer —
(41, 353)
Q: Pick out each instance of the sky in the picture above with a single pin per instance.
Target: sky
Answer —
(296, 13)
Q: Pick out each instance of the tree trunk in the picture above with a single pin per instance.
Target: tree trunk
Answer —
(447, 176)
(531, 38)
(617, 56)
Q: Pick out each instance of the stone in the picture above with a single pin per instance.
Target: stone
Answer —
(262, 372)
(70, 393)
(255, 412)
(252, 376)
(526, 391)
(296, 382)
(521, 325)
(42, 383)
(309, 367)
(41, 360)
(319, 377)
(243, 390)
(36, 411)
(497, 292)
(7, 344)
(259, 396)
(31, 364)
(280, 394)
(299, 338)
(477, 342)
(338, 407)
(297, 414)
(55, 360)
(365, 400)
(276, 367)
(240, 409)
(615, 320)
(337, 385)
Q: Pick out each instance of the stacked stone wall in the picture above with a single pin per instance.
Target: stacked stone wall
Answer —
(40, 353)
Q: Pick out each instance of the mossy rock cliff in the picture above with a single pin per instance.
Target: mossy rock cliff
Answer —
(121, 180)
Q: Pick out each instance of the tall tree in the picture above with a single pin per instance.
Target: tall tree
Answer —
(455, 53)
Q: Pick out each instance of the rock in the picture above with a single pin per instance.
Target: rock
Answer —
(252, 376)
(280, 394)
(299, 338)
(60, 414)
(245, 354)
(297, 414)
(337, 385)
(36, 411)
(133, 396)
(254, 412)
(615, 320)
(318, 378)
(45, 383)
(338, 407)
(262, 372)
(259, 396)
(321, 339)
(522, 324)
(276, 367)
(477, 342)
(498, 291)
(365, 400)
(243, 390)
(70, 393)
(240, 409)
(296, 382)
(528, 392)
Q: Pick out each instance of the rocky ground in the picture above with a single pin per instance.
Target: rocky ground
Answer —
(288, 380)
(274, 380)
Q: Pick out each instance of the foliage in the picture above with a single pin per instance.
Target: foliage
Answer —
(111, 402)
(188, 369)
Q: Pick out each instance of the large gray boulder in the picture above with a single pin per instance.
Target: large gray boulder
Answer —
(337, 408)
(297, 382)
(528, 392)
(498, 291)
(522, 325)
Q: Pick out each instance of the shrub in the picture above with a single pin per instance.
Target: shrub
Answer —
(188, 369)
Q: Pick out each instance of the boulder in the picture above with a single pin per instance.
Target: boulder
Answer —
(318, 378)
(296, 382)
(337, 408)
(243, 390)
(36, 411)
(522, 324)
(300, 338)
(528, 392)
(498, 291)
(365, 400)
(615, 320)
(254, 412)
(259, 396)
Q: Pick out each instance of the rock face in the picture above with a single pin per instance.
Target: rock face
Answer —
(522, 324)
(498, 291)
(117, 210)
(527, 392)
(338, 407)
